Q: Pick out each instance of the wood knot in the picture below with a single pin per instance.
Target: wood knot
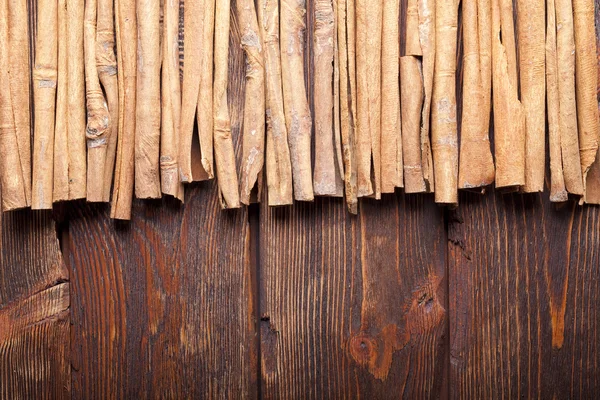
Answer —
(363, 348)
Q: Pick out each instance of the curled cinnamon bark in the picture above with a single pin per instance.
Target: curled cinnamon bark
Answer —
(44, 95)
(297, 112)
(443, 116)
(60, 190)
(279, 168)
(253, 146)
(147, 112)
(327, 180)
(126, 60)
(171, 102)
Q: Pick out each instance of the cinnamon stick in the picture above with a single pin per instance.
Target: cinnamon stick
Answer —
(392, 175)
(476, 169)
(106, 63)
(44, 95)
(14, 194)
(586, 78)
(254, 103)
(97, 110)
(279, 167)
(147, 112)
(171, 102)
(443, 116)
(326, 180)
(126, 30)
(20, 69)
(297, 113)
(531, 20)
(509, 117)
(60, 190)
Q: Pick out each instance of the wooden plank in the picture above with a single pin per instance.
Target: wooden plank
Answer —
(353, 306)
(523, 298)
(163, 307)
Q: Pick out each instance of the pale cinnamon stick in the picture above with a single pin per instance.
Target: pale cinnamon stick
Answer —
(44, 94)
(279, 167)
(531, 20)
(392, 175)
(443, 116)
(297, 113)
(14, 194)
(147, 112)
(326, 180)
(253, 146)
(60, 190)
(126, 30)
(20, 72)
(107, 72)
(586, 74)
(558, 191)
(171, 102)
(509, 117)
(476, 169)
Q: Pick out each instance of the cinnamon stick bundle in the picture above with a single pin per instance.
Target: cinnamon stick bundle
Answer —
(392, 174)
(14, 195)
(44, 100)
(253, 146)
(171, 102)
(476, 169)
(126, 30)
(106, 63)
(97, 110)
(531, 20)
(20, 71)
(327, 180)
(509, 117)
(279, 167)
(147, 112)
(586, 74)
(297, 113)
(443, 116)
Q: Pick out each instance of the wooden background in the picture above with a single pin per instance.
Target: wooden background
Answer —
(500, 298)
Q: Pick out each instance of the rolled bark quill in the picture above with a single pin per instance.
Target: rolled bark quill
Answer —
(126, 62)
(14, 194)
(297, 113)
(558, 191)
(509, 117)
(253, 146)
(531, 20)
(20, 86)
(327, 180)
(147, 112)
(44, 100)
(171, 102)
(392, 174)
(60, 191)
(443, 116)
(586, 74)
(106, 63)
(476, 169)
(98, 118)
(279, 167)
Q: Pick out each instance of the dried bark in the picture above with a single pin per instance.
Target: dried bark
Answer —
(443, 116)
(327, 180)
(279, 167)
(60, 191)
(297, 113)
(147, 112)
(44, 95)
(476, 164)
(531, 19)
(392, 175)
(171, 102)
(253, 146)
(126, 61)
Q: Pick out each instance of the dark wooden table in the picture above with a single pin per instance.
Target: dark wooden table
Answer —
(500, 298)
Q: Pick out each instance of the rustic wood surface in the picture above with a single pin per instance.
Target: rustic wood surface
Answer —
(496, 299)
